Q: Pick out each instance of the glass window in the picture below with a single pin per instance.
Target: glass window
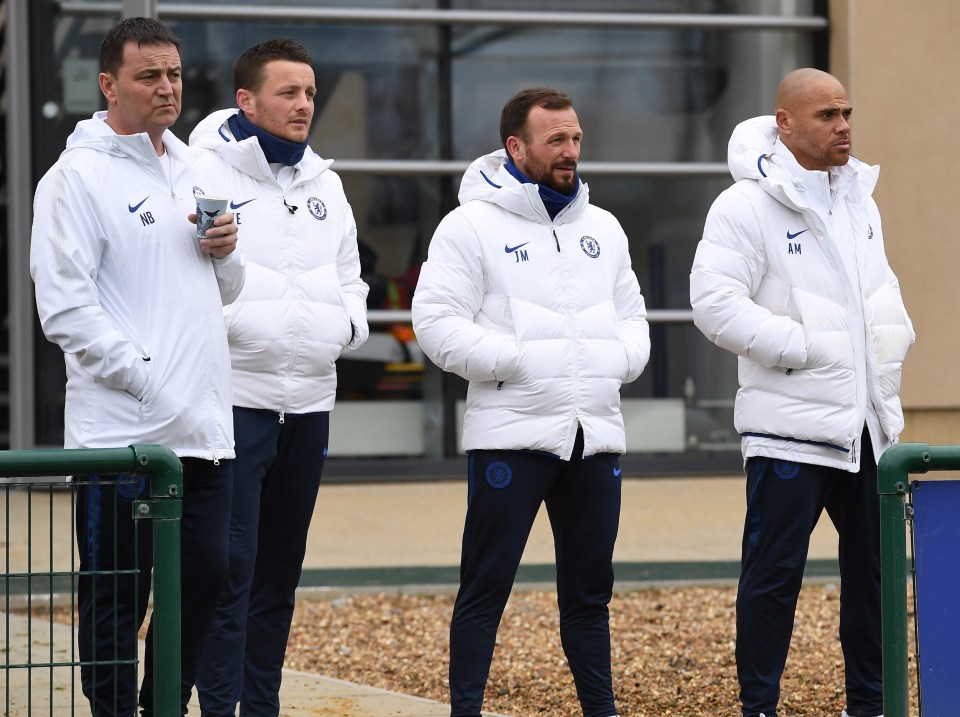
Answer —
(409, 91)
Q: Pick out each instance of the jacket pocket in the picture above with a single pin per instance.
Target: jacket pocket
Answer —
(890, 334)
(890, 329)
(827, 334)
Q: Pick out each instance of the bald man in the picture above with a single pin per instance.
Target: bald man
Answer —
(791, 275)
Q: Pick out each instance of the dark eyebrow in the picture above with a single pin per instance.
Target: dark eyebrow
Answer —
(563, 133)
(156, 70)
(834, 110)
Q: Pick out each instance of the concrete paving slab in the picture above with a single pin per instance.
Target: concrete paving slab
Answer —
(56, 692)
(40, 690)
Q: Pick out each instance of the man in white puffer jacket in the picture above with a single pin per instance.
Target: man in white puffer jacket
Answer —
(529, 294)
(303, 304)
(791, 275)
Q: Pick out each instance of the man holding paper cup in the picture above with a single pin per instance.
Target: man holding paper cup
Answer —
(302, 306)
(134, 300)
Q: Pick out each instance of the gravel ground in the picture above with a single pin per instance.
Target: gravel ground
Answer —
(672, 651)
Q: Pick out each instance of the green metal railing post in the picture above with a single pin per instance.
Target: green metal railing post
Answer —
(893, 484)
(166, 483)
(163, 468)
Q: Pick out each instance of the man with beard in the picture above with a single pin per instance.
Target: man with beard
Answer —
(791, 275)
(528, 293)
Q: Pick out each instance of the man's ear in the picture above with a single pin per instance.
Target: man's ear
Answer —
(244, 99)
(514, 148)
(108, 87)
(784, 122)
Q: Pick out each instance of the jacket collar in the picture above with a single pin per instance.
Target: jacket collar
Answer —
(756, 152)
(246, 155)
(97, 135)
(487, 179)
(785, 179)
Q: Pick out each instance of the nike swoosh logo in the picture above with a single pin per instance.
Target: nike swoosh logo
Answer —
(794, 236)
(234, 205)
(135, 207)
(511, 249)
(616, 472)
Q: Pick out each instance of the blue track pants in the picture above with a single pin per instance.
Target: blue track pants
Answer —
(784, 503)
(505, 491)
(276, 479)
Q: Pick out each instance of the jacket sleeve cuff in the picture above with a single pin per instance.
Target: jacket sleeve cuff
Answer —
(138, 387)
(795, 352)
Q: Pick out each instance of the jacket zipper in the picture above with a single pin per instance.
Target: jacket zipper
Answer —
(553, 229)
(173, 192)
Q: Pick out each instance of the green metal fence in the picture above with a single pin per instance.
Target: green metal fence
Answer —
(893, 485)
(163, 507)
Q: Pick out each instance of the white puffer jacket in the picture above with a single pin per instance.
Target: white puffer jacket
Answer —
(303, 302)
(125, 291)
(769, 283)
(544, 318)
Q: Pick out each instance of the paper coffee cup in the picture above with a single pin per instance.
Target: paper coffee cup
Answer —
(209, 207)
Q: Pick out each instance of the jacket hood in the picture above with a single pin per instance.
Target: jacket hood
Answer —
(97, 135)
(751, 139)
(488, 180)
(756, 152)
(245, 155)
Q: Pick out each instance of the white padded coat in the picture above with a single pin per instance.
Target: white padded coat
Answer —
(769, 284)
(544, 318)
(303, 302)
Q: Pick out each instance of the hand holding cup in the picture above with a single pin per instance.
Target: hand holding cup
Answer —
(216, 229)
(209, 208)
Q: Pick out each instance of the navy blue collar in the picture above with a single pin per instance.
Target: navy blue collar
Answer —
(553, 201)
(274, 148)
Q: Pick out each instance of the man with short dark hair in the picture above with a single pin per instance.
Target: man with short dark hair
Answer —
(303, 305)
(135, 299)
(528, 293)
(791, 275)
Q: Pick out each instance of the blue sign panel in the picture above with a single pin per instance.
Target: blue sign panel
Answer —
(937, 539)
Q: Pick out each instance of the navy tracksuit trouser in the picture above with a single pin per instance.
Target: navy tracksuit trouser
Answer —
(112, 606)
(784, 503)
(505, 491)
(276, 479)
